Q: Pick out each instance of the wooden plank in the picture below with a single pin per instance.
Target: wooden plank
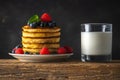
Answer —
(69, 70)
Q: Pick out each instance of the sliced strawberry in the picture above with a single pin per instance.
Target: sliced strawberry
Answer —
(61, 50)
(46, 17)
(68, 49)
(19, 51)
(44, 51)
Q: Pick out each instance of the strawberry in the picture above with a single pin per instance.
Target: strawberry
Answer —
(61, 50)
(19, 51)
(44, 51)
(68, 49)
(46, 17)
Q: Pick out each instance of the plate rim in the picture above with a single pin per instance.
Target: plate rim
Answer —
(66, 54)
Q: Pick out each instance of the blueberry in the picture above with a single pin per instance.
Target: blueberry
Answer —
(38, 23)
(50, 24)
(44, 24)
(34, 24)
(26, 53)
(54, 23)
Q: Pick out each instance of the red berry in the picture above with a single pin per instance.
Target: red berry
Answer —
(19, 51)
(46, 17)
(68, 49)
(13, 50)
(61, 50)
(44, 51)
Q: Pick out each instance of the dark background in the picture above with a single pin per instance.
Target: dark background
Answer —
(68, 14)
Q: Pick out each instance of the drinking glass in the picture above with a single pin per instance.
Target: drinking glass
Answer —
(96, 42)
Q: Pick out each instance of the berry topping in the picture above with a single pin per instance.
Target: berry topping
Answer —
(68, 49)
(13, 51)
(19, 51)
(26, 53)
(53, 23)
(34, 24)
(50, 24)
(44, 24)
(18, 46)
(44, 51)
(61, 50)
(34, 21)
(46, 17)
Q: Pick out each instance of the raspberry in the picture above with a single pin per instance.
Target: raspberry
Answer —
(61, 50)
(13, 50)
(44, 51)
(46, 18)
(19, 51)
(68, 49)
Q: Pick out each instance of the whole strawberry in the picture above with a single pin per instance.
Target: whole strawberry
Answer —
(61, 50)
(44, 51)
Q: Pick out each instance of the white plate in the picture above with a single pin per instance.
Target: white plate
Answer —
(40, 58)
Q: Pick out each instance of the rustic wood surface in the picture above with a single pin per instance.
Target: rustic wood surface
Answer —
(11, 69)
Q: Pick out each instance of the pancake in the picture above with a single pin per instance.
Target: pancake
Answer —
(40, 29)
(43, 34)
(40, 40)
(34, 39)
(33, 51)
(27, 45)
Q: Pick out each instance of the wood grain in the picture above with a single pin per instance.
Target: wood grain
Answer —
(69, 70)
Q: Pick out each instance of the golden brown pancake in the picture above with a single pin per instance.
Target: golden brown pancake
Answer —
(40, 29)
(27, 45)
(41, 40)
(43, 34)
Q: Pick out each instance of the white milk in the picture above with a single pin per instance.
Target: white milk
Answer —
(96, 43)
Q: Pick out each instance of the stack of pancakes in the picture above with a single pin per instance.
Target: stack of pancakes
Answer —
(34, 39)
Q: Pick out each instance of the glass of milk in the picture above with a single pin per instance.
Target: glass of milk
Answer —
(96, 42)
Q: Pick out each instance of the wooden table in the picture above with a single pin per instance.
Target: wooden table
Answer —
(11, 69)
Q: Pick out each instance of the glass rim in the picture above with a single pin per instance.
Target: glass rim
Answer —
(96, 24)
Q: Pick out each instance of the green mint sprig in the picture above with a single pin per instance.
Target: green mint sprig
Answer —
(34, 18)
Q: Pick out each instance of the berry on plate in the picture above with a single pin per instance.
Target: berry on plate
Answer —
(44, 51)
(68, 49)
(13, 50)
(61, 50)
(26, 53)
(46, 17)
(19, 51)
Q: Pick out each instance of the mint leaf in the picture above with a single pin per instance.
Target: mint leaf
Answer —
(34, 18)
